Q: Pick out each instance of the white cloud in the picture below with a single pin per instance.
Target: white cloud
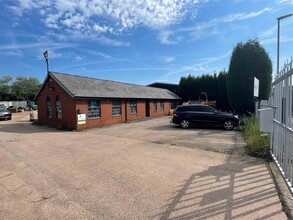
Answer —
(168, 59)
(55, 54)
(243, 16)
(102, 29)
(202, 65)
(165, 37)
(103, 55)
(226, 19)
(287, 2)
(197, 31)
(36, 45)
(98, 17)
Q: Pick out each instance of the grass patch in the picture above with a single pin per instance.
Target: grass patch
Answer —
(258, 143)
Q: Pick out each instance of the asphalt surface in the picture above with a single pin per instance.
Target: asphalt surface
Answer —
(142, 170)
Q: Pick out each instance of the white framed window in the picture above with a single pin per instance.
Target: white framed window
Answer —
(94, 109)
(133, 107)
(116, 107)
(58, 107)
(155, 107)
(162, 105)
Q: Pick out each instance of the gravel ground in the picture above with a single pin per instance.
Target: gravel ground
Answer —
(140, 170)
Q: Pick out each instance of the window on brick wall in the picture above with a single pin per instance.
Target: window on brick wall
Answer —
(116, 107)
(58, 107)
(155, 107)
(133, 107)
(162, 105)
(172, 105)
(49, 107)
(94, 109)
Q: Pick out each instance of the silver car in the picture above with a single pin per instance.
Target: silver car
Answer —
(5, 113)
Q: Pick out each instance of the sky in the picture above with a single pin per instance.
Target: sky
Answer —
(137, 41)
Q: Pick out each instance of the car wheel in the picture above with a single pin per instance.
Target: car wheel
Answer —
(184, 124)
(229, 125)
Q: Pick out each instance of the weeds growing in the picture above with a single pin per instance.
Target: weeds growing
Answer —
(258, 143)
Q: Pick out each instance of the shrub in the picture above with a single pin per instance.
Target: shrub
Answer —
(258, 143)
(248, 60)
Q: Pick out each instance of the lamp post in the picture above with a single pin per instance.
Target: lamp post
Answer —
(278, 44)
(46, 56)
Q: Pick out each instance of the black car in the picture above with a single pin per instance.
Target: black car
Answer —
(5, 113)
(187, 115)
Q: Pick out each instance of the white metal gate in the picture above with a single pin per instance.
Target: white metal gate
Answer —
(282, 139)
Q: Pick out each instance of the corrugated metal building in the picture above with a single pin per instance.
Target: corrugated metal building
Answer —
(77, 102)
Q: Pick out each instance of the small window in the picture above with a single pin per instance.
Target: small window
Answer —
(155, 108)
(133, 107)
(162, 105)
(49, 107)
(58, 107)
(94, 109)
(116, 107)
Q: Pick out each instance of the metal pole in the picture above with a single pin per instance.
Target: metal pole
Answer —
(47, 61)
(278, 47)
(278, 44)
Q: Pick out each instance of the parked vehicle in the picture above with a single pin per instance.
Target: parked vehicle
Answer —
(188, 115)
(5, 113)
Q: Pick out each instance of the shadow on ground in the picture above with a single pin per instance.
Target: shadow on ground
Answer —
(193, 128)
(225, 191)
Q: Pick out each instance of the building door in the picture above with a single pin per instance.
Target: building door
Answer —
(147, 108)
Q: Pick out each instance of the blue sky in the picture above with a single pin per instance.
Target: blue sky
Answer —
(136, 41)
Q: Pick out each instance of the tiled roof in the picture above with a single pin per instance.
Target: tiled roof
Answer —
(85, 87)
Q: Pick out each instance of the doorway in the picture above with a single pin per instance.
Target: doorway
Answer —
(147, 108)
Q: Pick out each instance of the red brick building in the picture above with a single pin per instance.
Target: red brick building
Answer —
(77, 102)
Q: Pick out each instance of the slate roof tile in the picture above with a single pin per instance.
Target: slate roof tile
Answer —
(85, 87)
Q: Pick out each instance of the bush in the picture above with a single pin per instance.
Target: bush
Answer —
(258, 143)
(248, 60)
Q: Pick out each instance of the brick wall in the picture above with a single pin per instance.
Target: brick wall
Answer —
(51, 90)
(106, 112)
(159, 111)
(70, 108)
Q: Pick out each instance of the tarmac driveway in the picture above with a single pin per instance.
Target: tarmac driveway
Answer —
(161, 131)
(129, 171)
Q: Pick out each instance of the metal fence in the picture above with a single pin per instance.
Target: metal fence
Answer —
(282, 138)
(22, 104)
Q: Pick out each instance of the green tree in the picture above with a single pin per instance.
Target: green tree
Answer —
(25, 88)
(248, 60)
(5, 88)
(222, 96)
(214, 85)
